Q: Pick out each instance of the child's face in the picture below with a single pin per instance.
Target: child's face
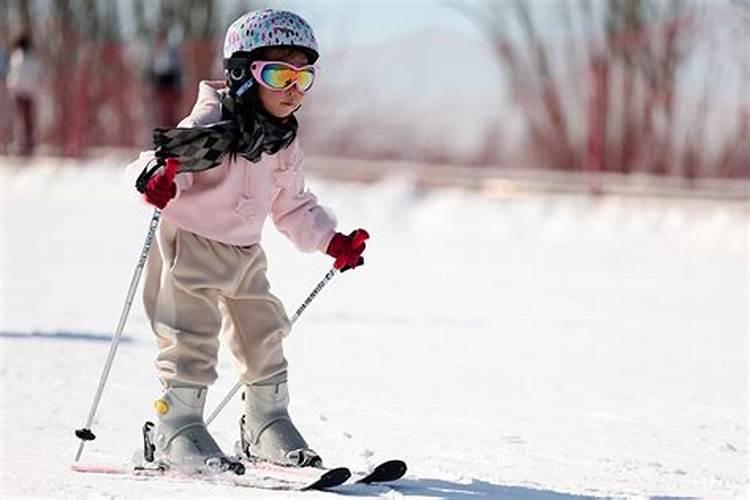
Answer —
(282, 103)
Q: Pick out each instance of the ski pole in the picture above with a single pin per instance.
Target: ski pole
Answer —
(171, 167)
(328, 277)
(85, 433)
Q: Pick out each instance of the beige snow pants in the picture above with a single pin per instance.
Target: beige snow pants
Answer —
(191, 285)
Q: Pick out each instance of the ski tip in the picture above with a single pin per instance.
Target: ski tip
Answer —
(329, 479)
(387, 471)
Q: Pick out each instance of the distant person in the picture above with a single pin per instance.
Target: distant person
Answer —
(5, 122)
(164, 74)
(234, 162)
(23, 83)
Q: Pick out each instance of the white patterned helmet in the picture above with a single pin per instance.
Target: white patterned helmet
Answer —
(270, 28)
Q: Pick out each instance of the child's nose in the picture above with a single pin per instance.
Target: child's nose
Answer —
(293, 91)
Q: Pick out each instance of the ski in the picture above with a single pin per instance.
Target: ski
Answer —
(265, 476)
(262, 475)
(309, 478)
(388, 471)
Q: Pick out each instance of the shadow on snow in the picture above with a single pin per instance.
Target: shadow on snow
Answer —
(438, 488)
(449, 490)
(63, 335)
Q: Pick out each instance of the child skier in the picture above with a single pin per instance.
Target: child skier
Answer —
(207, 250)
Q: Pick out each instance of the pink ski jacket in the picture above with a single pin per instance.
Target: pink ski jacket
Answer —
(230, 203)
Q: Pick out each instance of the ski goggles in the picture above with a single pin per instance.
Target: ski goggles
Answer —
(278, 75)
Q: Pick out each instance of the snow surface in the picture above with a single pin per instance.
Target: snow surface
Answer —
(535, 347)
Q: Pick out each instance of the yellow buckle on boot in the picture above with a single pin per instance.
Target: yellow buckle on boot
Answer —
(161, 406)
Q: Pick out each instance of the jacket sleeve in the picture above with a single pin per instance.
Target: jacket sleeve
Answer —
(206, 110)
(295, 210)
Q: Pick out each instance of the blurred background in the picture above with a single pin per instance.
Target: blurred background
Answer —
(558, 195)
(578, 94)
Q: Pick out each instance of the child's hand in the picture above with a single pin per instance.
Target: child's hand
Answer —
(347, 250)
(161, 187)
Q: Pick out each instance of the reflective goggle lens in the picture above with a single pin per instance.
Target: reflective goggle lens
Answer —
(280, 77)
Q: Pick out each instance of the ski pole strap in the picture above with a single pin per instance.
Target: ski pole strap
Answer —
(147, 173)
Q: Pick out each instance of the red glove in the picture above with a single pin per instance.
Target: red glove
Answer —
(161, 187)
(347, 250)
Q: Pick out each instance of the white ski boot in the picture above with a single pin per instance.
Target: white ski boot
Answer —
(180, 438)
(267, 431)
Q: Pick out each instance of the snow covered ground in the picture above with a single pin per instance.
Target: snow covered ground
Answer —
(536, 347)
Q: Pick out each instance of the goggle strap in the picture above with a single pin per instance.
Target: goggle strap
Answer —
(245, 87)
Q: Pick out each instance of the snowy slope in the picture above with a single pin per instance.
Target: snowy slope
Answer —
(533, 348)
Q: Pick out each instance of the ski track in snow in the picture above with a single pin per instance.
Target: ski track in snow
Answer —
(539, 347)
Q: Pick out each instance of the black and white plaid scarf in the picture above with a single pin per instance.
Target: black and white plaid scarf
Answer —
(246, 129)
(259, 131)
